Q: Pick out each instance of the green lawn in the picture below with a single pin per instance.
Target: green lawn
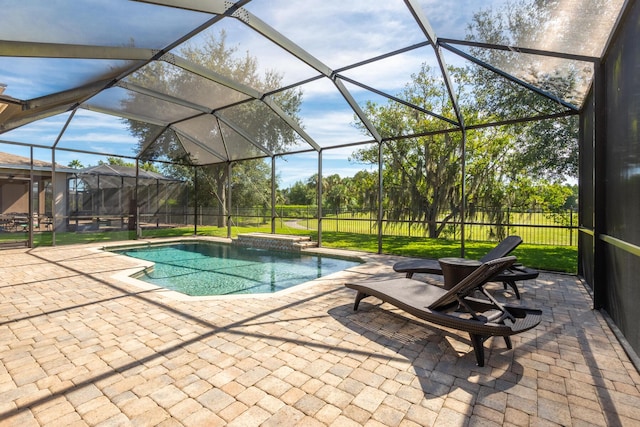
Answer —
(544, 257)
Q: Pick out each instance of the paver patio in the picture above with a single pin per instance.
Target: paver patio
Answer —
(79, 346)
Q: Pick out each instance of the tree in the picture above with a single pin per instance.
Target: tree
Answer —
(75, 164)
(539, 151)
(546, 148)
(119, 161)
(364, 187)
(265, 127)
(421, 175)
(300, 194)
(334, 193)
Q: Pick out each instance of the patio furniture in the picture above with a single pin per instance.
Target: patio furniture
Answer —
(21, 222)
(456, 308)
(456, 269)
(508, 277)
(47, 222)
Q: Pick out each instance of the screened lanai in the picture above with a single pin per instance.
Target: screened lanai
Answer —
(121, 197)
(445, 117)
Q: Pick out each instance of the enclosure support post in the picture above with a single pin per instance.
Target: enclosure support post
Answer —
(157, 203)
(600, 199)
(100, 203)
(75, 184)
(380, 192)
(319, 198)
(273, 194)
(54, 196)
(138, 227)
(195, 200)
(229, 195)
(463, 190)
(120, 193)
(30, 217)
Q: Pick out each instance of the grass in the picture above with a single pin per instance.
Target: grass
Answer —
(543, 257)
(534, 228)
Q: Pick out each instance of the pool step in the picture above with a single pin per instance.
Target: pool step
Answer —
(304, 245)
(278, 242)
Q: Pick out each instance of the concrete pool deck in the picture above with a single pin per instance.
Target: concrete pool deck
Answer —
(81, 346)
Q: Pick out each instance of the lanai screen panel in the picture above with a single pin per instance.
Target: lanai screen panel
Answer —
(267, 66)
(341, 33)
(166, 79)
(53, 75)
(43, 132)
(409, 83)
(327, 117)
(617, 183)
(566, 79)
(578, 27)
(587, 191)
(96, 132)
(58, 58)
(129, 103)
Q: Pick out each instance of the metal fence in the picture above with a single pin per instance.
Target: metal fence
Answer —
(536, 227)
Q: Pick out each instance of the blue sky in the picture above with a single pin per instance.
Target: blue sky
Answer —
(362, 29)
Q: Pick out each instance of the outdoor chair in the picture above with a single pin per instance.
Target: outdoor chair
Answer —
(504, 248)
(456, 308)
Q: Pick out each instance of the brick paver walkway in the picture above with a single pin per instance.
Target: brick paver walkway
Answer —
(80, 347)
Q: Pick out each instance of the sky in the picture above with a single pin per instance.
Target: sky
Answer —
(336, 32)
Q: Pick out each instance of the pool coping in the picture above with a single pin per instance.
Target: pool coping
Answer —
(128, 275)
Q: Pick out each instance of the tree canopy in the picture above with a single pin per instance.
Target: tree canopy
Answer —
(503, 163)
(430, 175)
(267, 129)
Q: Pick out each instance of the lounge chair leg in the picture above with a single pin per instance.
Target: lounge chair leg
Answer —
(409, 274)
(359, 298)
(512, 284)
(507, 341)
(478, 348)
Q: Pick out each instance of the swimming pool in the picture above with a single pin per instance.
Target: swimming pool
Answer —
(208, 268)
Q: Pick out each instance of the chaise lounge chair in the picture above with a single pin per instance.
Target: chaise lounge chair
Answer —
(504, 248)
(456, 308)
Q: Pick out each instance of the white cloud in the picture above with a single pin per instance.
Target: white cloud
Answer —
(340, 33)
(332, 127)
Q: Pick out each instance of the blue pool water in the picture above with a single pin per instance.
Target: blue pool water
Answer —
(200, 269)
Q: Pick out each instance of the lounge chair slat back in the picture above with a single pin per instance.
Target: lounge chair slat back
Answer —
(474, 280)
(502, 249)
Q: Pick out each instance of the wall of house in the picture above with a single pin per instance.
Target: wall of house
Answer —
(617, 180)
(14, 198)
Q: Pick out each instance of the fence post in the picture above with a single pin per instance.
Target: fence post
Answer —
(571, 227)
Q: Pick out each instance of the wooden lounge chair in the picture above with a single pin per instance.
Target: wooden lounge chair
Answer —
(504, 248)
(456, 308)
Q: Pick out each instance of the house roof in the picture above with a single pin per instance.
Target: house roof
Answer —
(15, 162)
(122, 171)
